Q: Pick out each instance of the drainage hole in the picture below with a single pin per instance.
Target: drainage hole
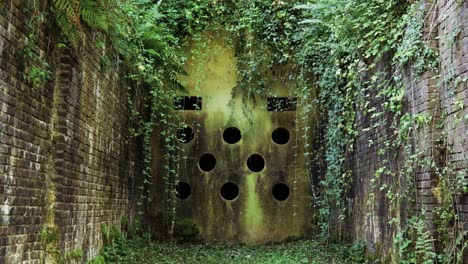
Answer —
(183, 190)
(232, 135)
(280, 135)
(280, 191)
(207, 162)
(229, 191)
(256, 163)
(185, 134)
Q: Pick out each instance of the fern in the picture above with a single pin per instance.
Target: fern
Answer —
(424, 244)
(415, 243)
(70, 14)
(94, 15)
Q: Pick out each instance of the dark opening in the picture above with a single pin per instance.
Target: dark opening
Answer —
(256, 163)
(280, 135)
(280, 191)
(282, 104)
(232, 135)
(187, 103)
(183, 190)
(207, 162)
(229, 191)
(185, 135)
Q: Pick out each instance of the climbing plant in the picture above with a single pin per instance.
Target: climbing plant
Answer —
(373, 51)
(344, 54)
(70, 16)
(144, 52)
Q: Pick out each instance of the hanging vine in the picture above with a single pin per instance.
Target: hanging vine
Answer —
(346, 54)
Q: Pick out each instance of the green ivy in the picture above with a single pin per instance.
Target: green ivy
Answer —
(345, 53)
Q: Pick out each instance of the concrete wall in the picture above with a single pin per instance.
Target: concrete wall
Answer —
(427, 94)
(66, 161)
(254, 215)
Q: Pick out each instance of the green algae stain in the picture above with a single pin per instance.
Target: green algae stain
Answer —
(253, 212)
(254, 217)
(209, 221)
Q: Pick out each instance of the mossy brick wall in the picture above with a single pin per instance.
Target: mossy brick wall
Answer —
(454, 18)
(66, 159)
(432, 94)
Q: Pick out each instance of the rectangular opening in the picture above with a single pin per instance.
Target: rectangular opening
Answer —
(188, 103)
(282, 104)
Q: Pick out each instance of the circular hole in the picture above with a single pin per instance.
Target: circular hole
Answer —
(232, 135)
(229, 191)
(256, 163)
(207, 162)
(185, 134)
(183, 190)
(280, 191)
(280, 135)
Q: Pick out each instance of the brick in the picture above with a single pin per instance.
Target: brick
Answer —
(84, 176)
(423, 96)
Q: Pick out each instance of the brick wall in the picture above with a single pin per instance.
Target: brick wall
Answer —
(369, 207)
(67, 163)
(436, 96)
(454, 96)
(66, 160)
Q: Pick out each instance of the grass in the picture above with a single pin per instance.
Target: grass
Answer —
(301, 251)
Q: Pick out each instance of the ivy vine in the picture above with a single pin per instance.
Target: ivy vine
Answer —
(346, 55)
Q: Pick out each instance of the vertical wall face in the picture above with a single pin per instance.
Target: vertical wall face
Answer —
(244, 186)
(369, 208)
(454, 97)
(65, 162)
(444, 98)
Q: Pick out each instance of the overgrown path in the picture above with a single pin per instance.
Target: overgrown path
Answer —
(301, 251)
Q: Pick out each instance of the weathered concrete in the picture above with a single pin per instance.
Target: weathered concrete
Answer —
(254, 216)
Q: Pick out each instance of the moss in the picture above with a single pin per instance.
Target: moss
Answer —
(254, 216)
(253, 209)
(438, 193)
(73, 255)
(186, 230)
(300, 251)
(50, 237)
(97, 260)
(50, 234)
